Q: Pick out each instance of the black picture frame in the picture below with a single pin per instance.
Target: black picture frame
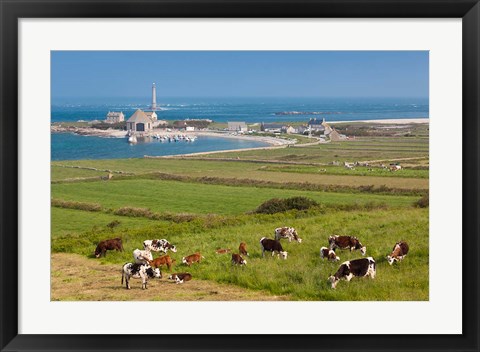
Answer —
(12, 11)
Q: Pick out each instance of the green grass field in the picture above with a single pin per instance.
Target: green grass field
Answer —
(182, 197)
(238, 169)
(362, 149)
(210, 208)
(303, 276)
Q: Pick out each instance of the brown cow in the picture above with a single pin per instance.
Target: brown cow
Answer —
(329, 254)
(192, 258)
(243, 249)
(111, 244)
(180, 277)
(399, 252)
(223, 250)
(346, 242)
(162, 260)
(237, 259)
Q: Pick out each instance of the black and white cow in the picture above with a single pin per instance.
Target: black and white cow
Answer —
(142, 256)
(159, 246)
(329, 254)
(399, 252)
(287, 232)
(346, 242)
(357, 267)
(272, 246)
(139, 271)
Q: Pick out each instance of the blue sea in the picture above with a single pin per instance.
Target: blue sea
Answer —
(250, 110)
(69, 146)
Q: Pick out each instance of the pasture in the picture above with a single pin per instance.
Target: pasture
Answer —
(184, 197)
(202, 204)
(303, 275)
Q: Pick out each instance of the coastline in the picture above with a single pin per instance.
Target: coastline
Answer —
(112, 133)
(273, 142)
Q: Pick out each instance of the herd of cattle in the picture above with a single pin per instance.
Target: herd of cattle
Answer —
(145, 267)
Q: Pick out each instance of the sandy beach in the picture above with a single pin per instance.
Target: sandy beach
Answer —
(387, 121)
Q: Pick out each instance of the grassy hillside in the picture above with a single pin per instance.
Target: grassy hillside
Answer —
(303, 275)
(205, 203)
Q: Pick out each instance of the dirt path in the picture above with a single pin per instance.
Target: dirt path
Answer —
(76, 278)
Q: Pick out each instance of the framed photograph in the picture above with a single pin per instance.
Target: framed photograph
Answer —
(202, 175)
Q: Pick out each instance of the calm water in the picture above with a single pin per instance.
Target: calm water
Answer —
(250, 110)
(68, 146)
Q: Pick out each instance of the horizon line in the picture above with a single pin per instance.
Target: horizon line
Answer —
(243, 96)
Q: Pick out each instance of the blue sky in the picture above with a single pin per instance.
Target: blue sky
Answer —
(80, 75)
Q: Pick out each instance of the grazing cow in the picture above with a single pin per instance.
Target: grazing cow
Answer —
(103, 246)
(180, 277)
(287, 232)
(159, 246)
(357, 267)
(163, 260)
(139, 271)
(142, 257)
(243, 249)
(329, 254)
(395, 167)
(223, 250)
(237, 259)
(399, 252)
(192, 258)
(346, 242)
(272, 246)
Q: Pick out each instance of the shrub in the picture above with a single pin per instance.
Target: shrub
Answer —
(422, 202)
(76, 205)
(134, 212)
(116, 126)
(277, 205)
(177, 218)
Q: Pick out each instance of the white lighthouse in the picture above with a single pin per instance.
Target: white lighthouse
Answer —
(154, 98)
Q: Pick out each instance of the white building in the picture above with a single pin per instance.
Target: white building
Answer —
(317, 125)
(139, 122)
(289, 129)
(114, 117)
(237, 126)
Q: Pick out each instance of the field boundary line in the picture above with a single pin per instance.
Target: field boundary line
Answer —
(263, 161)
(94, 169)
